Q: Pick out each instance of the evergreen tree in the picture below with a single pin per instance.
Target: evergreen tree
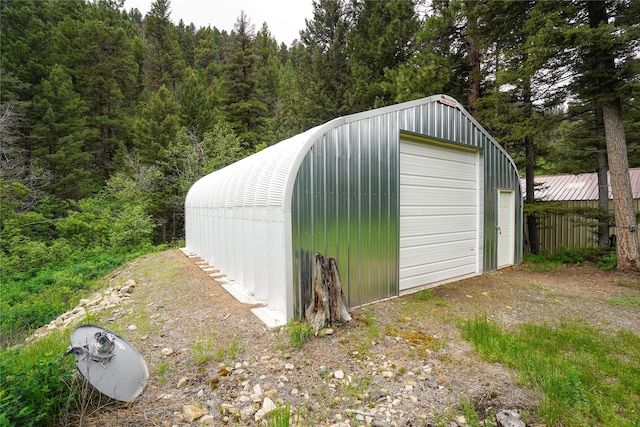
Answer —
(605, 40)
(438, 64)
(322, 69)
(208, 55)
(163, 59)
(269, 65)
(197, 109)
(276, 86)
(26, 43)
(155, 128)
(284, 123)
(382, 38)
(21, 186)
(510, 99)
(599, 39)
(61, 136)
(631, 115)
(186, 36)
(97, 51)
(26, 46)
(244, 109)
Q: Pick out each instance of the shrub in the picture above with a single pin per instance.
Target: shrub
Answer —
(33, 384)
(604, 259)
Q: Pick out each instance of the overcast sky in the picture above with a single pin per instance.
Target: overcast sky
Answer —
(285, 18)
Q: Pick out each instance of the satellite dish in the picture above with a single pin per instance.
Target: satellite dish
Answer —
(108, 362)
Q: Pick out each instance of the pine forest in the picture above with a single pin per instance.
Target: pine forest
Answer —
(107, 117)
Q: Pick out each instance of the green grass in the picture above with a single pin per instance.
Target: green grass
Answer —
(425, 294)
(208, 347)
(355, 391)
(542, 266)
(235, 347)
(162, 372)
(368, 335)
(279, 417)
(546, 262)
(626, 301)
(202, 350)
(299, 333)
(630, 285)
(30, 301)
(468, 409)
(584, 376)
(35, 383)
(37, 387)
(373, 327)
(229, 349)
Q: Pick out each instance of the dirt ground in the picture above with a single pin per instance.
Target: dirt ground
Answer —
(399, 362)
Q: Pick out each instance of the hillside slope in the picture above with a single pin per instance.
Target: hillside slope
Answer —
(399, 362)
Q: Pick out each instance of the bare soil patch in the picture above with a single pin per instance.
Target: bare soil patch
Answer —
(404, 361)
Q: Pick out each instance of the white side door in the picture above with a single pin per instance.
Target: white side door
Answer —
(505, 229)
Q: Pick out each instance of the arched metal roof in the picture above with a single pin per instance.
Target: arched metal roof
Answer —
(239, 218)
(257, 180)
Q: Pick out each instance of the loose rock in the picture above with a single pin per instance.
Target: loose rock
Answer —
(228, 409)
(432, 383)
(182, 382)
(207, 420)
(193, 412)
(509, 418)
(267, 407)
(247, 412)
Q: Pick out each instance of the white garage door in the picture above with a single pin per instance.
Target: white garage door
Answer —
(439, 214)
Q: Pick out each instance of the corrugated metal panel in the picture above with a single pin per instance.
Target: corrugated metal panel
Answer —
(333, 189)
(557, 231)
(583, 186)
(344, 205)
(367, 227)
(235, 221)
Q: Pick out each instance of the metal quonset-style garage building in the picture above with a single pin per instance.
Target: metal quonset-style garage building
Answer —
(403, 197)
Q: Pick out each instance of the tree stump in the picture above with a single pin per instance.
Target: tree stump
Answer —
(328, 304)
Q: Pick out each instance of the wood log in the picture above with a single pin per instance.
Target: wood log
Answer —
(328, 304)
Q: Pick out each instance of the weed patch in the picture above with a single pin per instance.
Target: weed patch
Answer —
(543, 266)
(162, 372)
(209, 347)
(428, 295)
(32, 300)
(604, 259)
(425, 295)
(367, 338)
(584, 376)
(35, 383)
(280, 416)
(626, 301)
(422, 342)
(202, 349)
(299, 333)
(630, 285)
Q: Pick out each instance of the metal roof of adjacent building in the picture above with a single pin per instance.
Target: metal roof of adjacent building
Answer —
(583, 186)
